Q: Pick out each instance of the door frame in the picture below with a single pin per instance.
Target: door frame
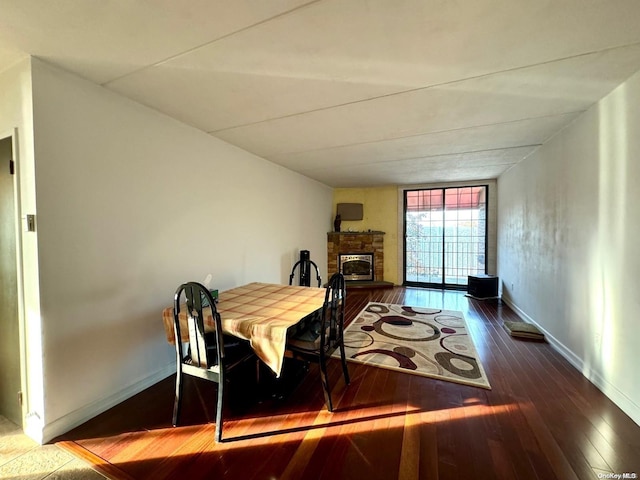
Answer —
(13, 135)
(491, 253)
(443, 284)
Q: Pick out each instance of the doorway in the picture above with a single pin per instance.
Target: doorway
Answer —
(445, 236)
(10, 381)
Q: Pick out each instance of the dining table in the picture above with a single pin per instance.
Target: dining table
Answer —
(261, 313)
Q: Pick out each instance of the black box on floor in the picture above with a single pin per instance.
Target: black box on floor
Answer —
(482, 286)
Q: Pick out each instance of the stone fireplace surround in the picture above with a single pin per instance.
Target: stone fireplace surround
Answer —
(356, 242)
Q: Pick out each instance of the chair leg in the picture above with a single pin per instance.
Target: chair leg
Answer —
(345, 370)
(324, 378)
(218, 434)
(176, 404)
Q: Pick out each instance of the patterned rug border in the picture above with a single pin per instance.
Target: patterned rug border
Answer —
(473, 383)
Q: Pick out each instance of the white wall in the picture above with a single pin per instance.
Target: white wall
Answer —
(568, 230)
(118, 188)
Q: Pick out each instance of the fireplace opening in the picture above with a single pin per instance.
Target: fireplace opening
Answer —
(356, 266)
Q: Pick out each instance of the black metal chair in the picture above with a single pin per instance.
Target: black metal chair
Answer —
(210, 355)
(322, 335)
(304, 266)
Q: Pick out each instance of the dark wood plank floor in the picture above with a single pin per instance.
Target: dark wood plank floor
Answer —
(541, 420)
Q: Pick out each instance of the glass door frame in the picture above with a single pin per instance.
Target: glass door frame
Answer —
(443, 188)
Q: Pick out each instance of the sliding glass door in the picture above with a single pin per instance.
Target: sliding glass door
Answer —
(445, 235)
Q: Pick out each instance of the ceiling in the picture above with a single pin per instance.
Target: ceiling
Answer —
(348, 92)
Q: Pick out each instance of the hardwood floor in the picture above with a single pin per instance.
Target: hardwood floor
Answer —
(541, 420)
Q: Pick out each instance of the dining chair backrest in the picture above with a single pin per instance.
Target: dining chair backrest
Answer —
(303, 269)
(332, 318)
(211, 354)
(207, 350)
(320, 337)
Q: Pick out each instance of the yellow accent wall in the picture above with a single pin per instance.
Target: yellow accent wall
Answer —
(380, 212)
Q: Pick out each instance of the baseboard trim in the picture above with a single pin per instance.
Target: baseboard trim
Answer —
(81, 415)
(571, 357)
(625, 404)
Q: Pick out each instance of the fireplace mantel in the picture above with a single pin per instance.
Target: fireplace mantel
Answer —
(366, 232)
(370, 241)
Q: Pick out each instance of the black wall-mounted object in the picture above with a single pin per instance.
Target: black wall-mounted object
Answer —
(349, 211)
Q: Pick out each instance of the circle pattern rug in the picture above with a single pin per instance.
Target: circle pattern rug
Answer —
(422, 341)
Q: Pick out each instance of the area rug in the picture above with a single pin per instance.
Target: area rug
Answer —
(422, 341)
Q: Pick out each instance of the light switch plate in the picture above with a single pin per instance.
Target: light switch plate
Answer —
(31, 223)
